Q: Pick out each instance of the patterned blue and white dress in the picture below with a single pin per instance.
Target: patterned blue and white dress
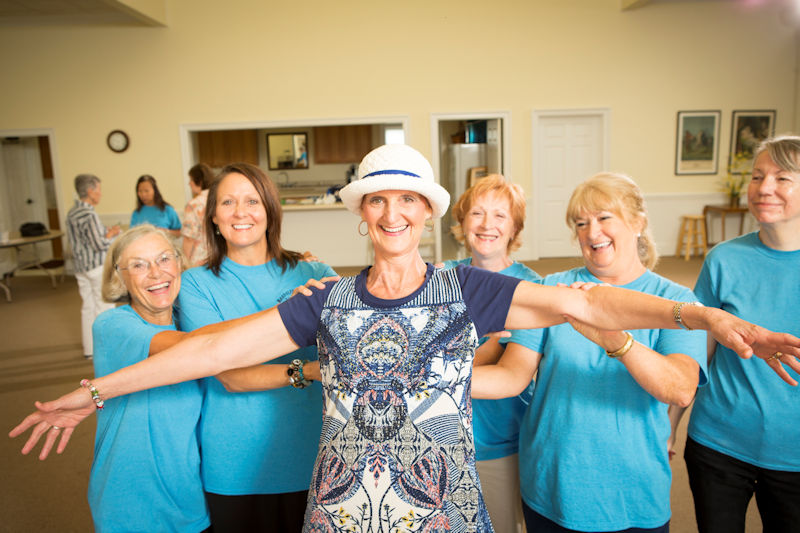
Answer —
(396, 450)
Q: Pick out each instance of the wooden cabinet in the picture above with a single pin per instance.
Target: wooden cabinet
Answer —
(342, 144)
(219, 148)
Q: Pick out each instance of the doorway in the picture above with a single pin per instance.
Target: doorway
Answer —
(28, 191)
(568, 147)
(465, 147)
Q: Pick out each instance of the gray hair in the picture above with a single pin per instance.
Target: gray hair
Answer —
(784, 150)
(84, 183)
(114, 289)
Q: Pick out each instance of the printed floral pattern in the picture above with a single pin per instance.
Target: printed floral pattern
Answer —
(396, 452)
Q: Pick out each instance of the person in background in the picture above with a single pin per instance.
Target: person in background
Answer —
(396, 348)
(146, 470)
(490, 216)
(259, 480)
(89, 240)
(745, 423)
(593, 454)
(195, 246)
(152, 209)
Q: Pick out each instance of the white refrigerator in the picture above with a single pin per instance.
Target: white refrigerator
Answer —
(460, 159)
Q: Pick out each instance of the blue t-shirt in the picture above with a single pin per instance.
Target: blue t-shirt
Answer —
(593, 444)
(146, 470)
(253, 442)
(150, 214)
(747, 411)
(495, 423)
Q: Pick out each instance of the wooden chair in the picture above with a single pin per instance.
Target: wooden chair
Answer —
(692, 236)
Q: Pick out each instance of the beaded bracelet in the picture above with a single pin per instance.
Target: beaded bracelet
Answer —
(98, 401)
(295, 372)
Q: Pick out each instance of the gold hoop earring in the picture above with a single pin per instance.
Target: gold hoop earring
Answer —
(366, 232)
(430, 227)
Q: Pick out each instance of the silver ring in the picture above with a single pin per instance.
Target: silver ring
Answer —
(56, 427)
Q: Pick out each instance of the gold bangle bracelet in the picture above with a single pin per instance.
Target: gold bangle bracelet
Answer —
(616, 354)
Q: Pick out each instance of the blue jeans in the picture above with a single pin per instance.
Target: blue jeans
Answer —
(536, 523)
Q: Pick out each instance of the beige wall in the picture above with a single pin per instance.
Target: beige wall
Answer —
(316, 59)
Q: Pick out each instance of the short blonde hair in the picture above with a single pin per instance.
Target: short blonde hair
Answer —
(618, 194)
(493, 183)
(114, 289)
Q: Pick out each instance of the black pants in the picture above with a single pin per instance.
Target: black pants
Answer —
(536, 523)
(257, 513)
(722, 487)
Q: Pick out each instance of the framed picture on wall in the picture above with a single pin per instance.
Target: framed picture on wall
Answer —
(748, 129)
(697, 142)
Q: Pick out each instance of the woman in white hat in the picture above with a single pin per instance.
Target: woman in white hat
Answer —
(396, 344)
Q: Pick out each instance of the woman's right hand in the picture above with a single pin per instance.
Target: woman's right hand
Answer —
(318, 283)
(59, 417)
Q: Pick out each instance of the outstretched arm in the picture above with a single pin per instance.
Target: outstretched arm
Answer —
(233, 344)
(613, 308)
(509, 376)
(669, 378)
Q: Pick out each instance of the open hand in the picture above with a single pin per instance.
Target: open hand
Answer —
(59, 417)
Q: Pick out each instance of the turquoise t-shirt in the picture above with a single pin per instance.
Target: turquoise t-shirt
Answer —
(253, 442)
(146, 470)
(495, 423)
(150, 214)
(747, 411)
(593, 443)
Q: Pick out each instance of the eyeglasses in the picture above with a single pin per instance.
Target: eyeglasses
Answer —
(140, 267)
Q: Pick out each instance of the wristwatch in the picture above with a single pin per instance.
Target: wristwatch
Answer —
(295, 373)
(676, 313)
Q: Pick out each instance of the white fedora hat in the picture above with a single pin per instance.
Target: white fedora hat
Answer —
(395, 167)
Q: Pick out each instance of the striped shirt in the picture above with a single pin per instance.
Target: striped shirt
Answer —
(87, 237)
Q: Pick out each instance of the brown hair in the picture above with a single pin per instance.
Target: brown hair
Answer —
(493, 183)
(619, 194)
(201, 175)
(157, 198)
(218, 248)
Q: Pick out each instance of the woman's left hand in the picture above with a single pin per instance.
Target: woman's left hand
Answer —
(747, 339)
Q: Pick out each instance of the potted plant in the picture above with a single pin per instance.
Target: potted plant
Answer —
(733, 184)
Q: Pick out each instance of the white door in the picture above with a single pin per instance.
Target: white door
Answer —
(568, 147)
(24, 197)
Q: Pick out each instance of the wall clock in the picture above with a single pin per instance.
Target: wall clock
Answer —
(118, 141)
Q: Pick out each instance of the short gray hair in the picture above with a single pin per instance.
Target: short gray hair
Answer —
(114, 289)
(84, 183)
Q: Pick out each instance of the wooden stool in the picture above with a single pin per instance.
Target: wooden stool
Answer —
(693, 231)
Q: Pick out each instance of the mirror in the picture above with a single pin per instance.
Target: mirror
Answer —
(287, 150)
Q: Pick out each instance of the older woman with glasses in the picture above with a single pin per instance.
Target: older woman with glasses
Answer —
(146, 469)
(396, 345)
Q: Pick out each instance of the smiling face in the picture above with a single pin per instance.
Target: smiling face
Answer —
(488, 228)
(146, 193)
(395, 221)
(153, 290)
(609, 246)
(773, 194)
(241, 218)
